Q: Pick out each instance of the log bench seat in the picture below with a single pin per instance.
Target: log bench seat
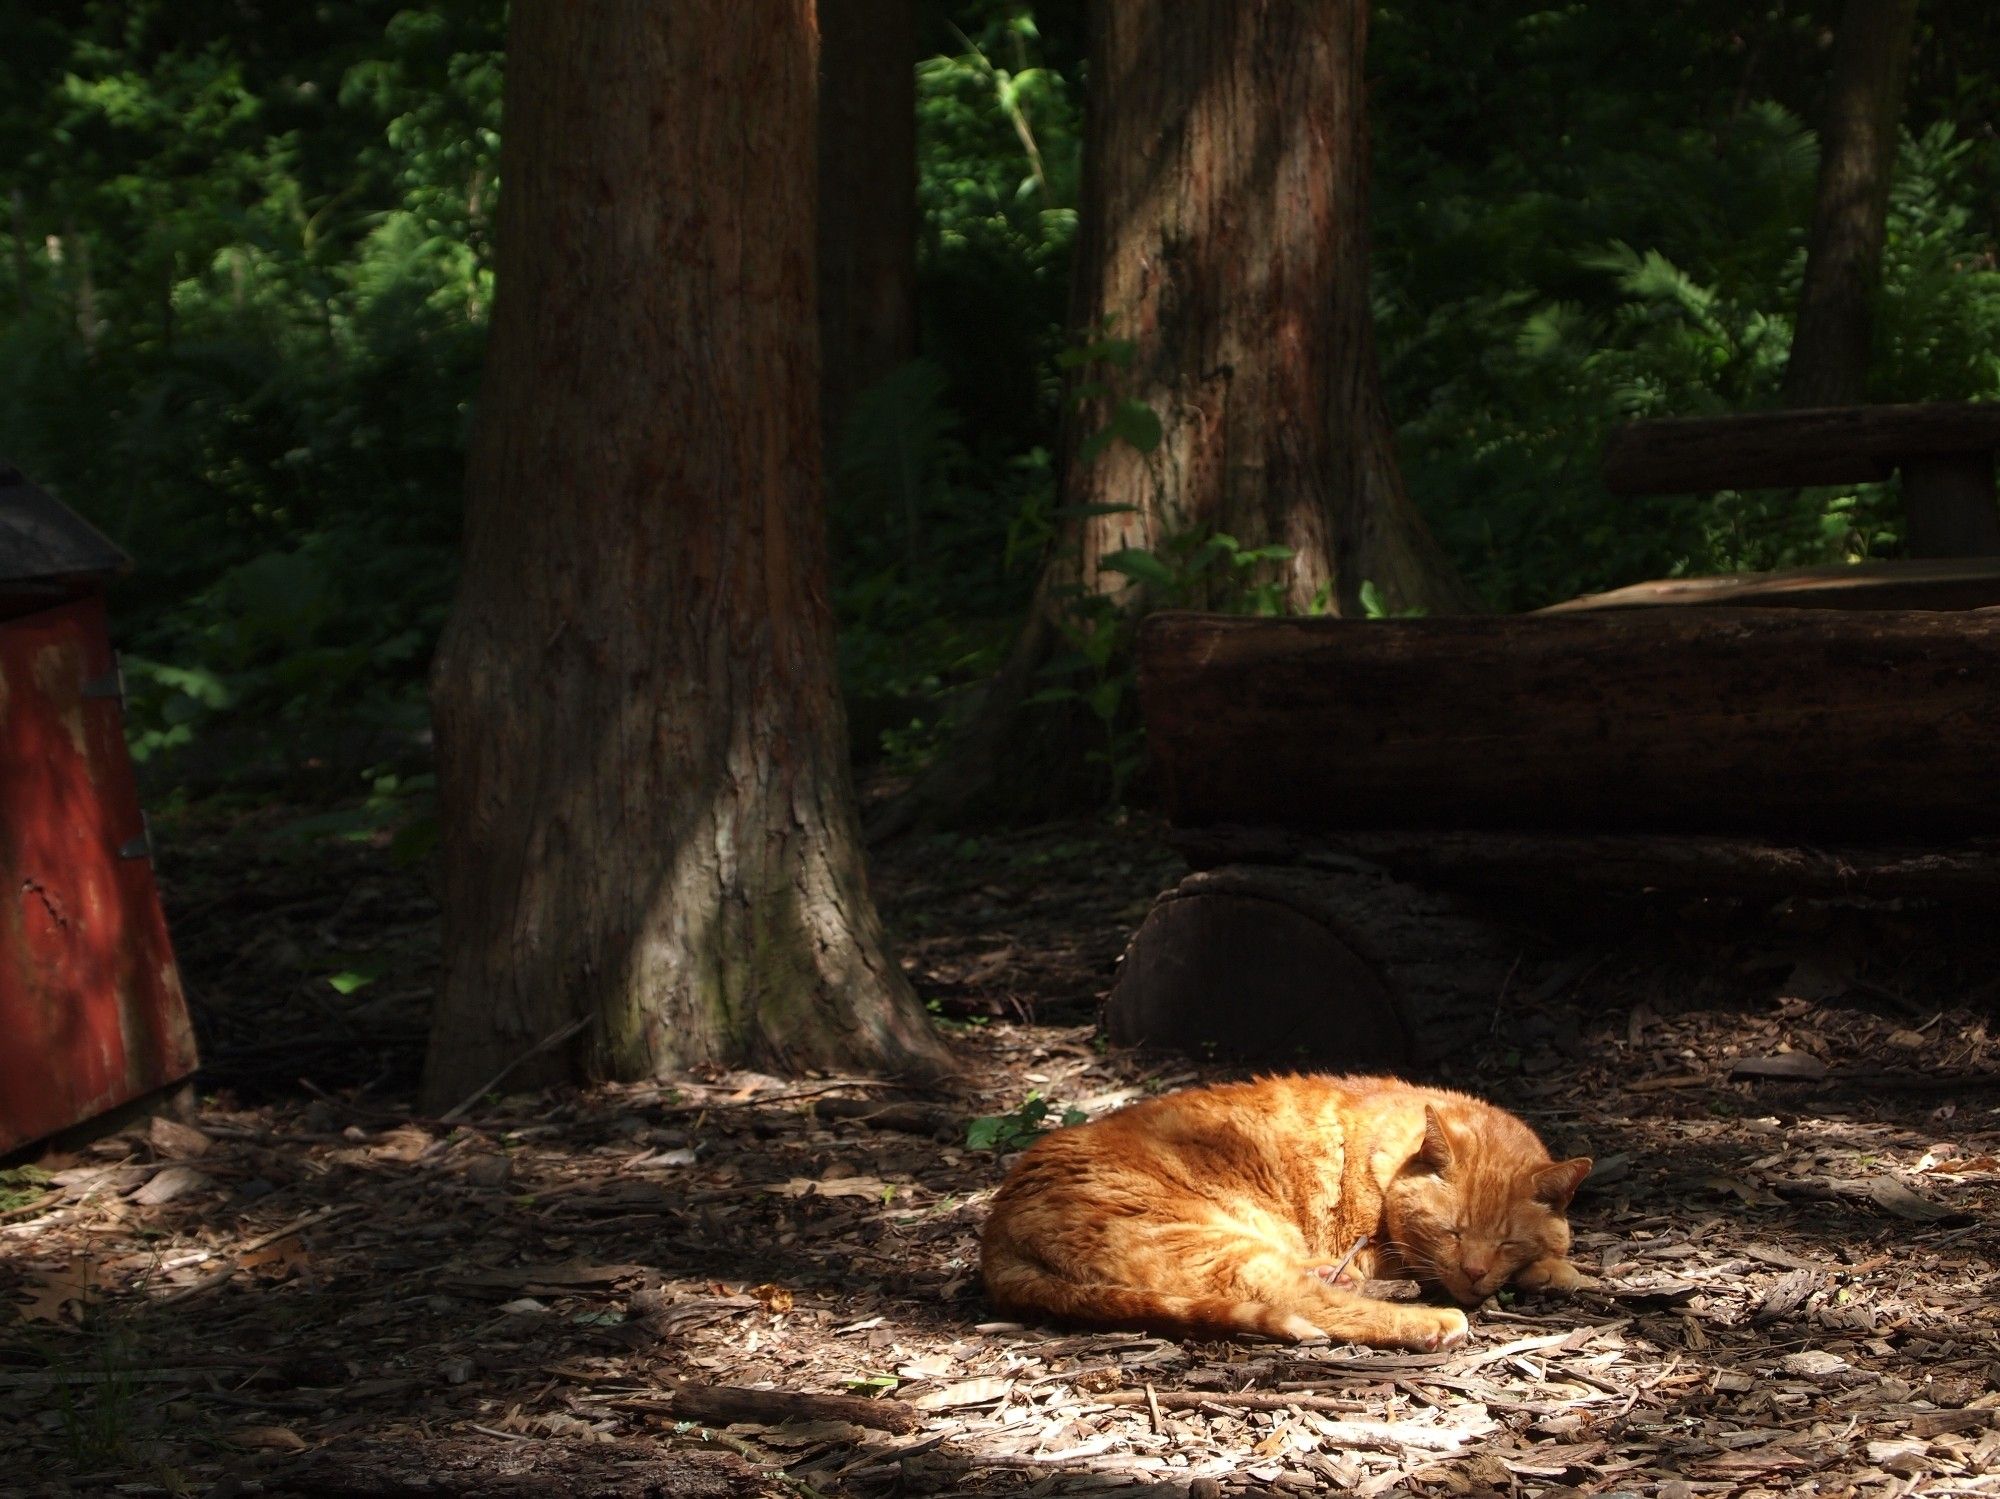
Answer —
(1350, 792)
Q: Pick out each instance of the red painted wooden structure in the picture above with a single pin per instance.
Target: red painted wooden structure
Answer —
(91, 1010)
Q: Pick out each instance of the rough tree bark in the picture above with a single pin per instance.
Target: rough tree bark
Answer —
(1829, 361)
(1225, 237)
(868, 197)
(644, 793)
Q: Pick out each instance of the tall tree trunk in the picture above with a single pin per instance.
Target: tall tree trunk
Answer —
(1831, 345)
(868, 197)
(648, 824)
(1225, 240)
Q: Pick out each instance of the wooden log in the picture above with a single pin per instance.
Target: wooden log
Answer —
(1506, 863)
(1337, 966)
(1959, 582)
(1782, 449)
(1806, 723)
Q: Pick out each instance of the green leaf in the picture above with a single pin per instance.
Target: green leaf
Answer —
(1106, 699)
(353, 979)
(1139, 565)
(1136, 423)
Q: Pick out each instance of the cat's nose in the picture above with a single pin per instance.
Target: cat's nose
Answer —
(1475, 1270)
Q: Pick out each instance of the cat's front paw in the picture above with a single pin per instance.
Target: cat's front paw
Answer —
(1429, 1329)
(1552, 1276)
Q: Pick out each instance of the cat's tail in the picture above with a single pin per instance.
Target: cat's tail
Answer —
(1018, 1285)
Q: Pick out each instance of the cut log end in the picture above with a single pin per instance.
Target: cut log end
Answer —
(1339, 969)
(1243, 978)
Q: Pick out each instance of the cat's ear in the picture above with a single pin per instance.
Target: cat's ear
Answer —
(1435, 1152)
(1557, 1184)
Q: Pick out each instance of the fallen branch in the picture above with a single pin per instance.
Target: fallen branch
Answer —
(904, 1118)
(553, 1038)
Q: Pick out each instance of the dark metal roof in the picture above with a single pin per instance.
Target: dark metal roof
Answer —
(43, 540)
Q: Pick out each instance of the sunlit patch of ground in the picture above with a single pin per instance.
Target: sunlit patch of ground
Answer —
(1791, 1259)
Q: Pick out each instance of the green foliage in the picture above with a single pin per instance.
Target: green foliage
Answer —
(1006, 1133)
(246, 262)
(1552, 261)
(999, 154)
(246, 274)
(927, 587)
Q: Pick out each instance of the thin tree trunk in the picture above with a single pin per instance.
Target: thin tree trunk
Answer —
(1225, 240)
(88, 325)
(868, 197)
(642, 762)
(1829, 361)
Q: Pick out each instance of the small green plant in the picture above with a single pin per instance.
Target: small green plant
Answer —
(1373, 607)
(1004, 1133)
(21, 1186)
(1199, 568)
(96, 1419)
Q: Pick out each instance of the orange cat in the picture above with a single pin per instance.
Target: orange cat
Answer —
(1225, 1209)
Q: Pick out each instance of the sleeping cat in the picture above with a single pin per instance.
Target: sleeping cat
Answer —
(1227, 1210)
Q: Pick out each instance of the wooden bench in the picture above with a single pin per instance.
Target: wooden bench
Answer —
(1944, 452)
(1351, 793)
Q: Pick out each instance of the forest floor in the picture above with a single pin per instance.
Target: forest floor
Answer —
(306, 1288)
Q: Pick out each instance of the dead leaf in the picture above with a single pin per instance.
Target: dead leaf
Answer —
(52, 1292)
(774, 1299)
(1789, 1066)
(404, 1144)
(168, 1185)
(278, 1260)
(872, 1187)
(1893, 1197)
(1813, 1363)
(269, 1438)
(1276, 1444)
(1749, 1192)
(174, 1141)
